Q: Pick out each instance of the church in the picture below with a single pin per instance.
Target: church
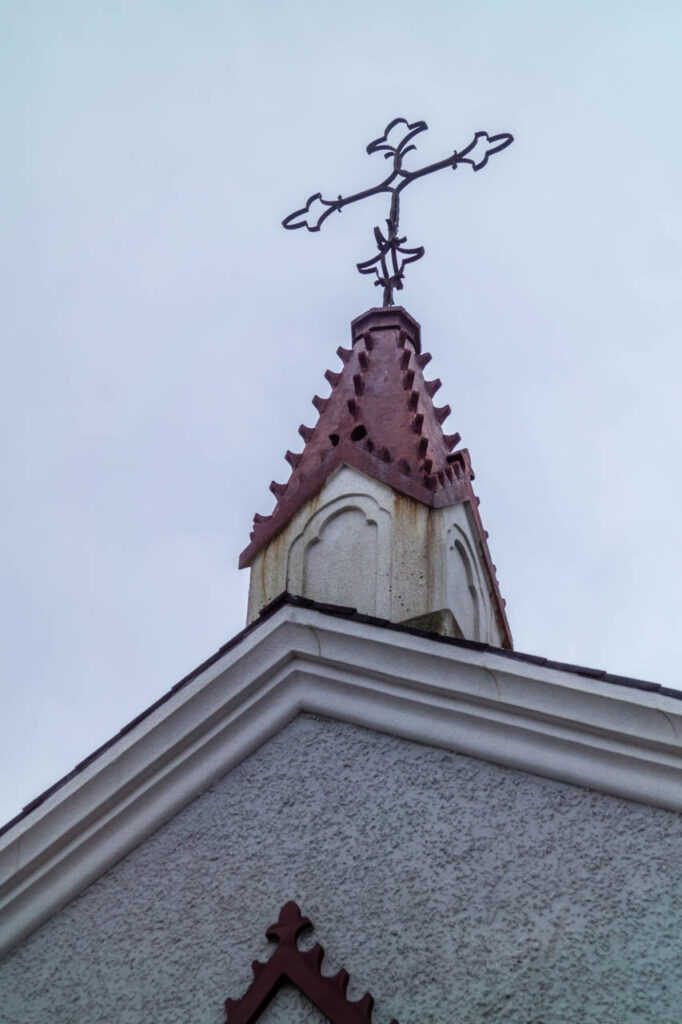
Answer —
(366, 806)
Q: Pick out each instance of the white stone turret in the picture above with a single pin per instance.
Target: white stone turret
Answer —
(379, 513)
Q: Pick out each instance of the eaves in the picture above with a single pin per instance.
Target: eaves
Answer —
(560, 722)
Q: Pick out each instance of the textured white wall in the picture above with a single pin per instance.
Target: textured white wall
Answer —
(452, 889)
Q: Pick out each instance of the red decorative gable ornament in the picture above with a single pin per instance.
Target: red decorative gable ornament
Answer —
(303, 969)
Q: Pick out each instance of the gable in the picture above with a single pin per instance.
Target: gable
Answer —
(449, 887)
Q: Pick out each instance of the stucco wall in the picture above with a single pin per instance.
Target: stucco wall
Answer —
(454, 890)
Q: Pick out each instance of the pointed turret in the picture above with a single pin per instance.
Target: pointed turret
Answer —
(379, 511)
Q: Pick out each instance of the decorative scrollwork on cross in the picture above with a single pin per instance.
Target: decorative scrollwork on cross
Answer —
(396, 142)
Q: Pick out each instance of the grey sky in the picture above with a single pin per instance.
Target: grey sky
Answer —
(163, 336)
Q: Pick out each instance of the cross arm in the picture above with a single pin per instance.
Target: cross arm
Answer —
(477, 153)
(315, 212)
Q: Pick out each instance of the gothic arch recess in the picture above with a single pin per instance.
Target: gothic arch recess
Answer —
(469, 602)
(343, 555)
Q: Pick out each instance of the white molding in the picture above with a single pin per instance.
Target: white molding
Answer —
(548, 721)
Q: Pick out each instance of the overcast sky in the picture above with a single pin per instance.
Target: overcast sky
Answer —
(163, 336)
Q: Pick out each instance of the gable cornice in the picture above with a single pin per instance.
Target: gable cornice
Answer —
(480, 702)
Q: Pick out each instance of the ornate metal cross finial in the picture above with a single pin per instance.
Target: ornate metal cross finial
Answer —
(395, 143)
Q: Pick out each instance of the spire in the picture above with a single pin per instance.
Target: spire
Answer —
(380, 420)
(379, 511)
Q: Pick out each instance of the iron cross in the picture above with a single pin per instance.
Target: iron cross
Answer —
(396, 142)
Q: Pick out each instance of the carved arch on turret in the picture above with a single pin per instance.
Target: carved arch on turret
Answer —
(463, 558)
(459, 547)
(343, 555)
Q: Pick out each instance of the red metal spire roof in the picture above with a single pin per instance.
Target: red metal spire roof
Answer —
(380, 419)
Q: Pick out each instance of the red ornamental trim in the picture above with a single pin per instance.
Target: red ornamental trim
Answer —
(302, 969)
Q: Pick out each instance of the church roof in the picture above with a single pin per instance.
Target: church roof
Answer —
(350, 615)
(380, 419)
(553, 720)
